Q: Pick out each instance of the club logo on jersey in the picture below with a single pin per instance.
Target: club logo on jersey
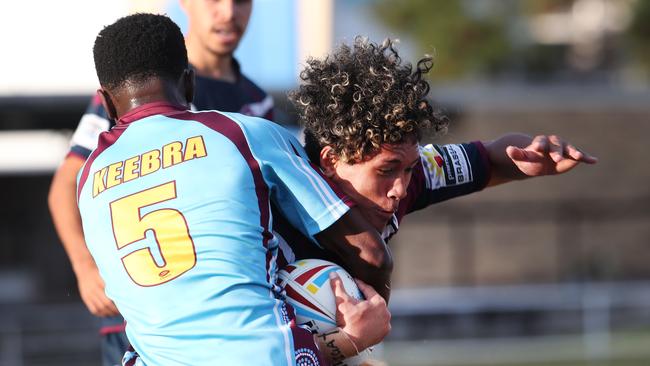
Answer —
(149, 162)
(433, 163)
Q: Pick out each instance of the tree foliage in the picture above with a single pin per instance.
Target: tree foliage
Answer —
(486, 37)
(639, 33)
(462, 42)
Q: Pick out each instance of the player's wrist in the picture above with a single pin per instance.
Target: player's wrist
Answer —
(358, 336)
(337, 345)
(83, 265)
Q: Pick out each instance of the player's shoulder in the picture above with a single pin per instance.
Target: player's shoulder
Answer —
(96, 108)
(255, 124)
(251, 88)
(265, 135)
(230, 121)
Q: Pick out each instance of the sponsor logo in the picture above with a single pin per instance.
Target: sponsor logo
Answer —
(457, 165)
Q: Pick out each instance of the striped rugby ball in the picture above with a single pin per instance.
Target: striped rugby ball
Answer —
(307, 286)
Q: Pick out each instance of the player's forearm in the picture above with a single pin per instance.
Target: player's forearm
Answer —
(372, 264)
(68, 228)
(65, 215)
(362, 251)
(502, 168)
(336, 346)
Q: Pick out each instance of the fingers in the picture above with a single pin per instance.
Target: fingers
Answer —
(95, 306)
(93, 295)
(580, 156)
(556, 148)
(367, 290)
(515, 153)
(339, 290)
(111, 309)
(101, 306)
(342, 300)
(92, 307)
(566, 165)
(540, 144)
(523, 155)
(370, 294)
(367, 322)
(108, 308)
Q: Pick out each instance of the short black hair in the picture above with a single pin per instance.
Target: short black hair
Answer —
(138, 47)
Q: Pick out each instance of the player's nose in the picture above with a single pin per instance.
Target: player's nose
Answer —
(398, 189)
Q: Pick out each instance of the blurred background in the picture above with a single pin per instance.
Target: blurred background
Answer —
(553, 271)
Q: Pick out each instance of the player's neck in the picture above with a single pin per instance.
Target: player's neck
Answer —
(212, 65)
(154, 91)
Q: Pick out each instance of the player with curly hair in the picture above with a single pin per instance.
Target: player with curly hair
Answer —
(365, 110)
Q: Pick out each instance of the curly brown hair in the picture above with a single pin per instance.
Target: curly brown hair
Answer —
(361, 97)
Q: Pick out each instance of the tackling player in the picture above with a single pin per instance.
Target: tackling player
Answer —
(214, 31)
(175, 208)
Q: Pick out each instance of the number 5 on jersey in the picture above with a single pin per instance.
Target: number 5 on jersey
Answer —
(170, 232)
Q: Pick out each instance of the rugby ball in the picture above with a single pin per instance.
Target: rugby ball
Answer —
(307, 286)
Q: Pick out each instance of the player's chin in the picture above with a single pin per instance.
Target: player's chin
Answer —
(379, 220)
(224, 48)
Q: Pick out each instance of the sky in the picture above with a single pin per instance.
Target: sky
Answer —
(47, 45)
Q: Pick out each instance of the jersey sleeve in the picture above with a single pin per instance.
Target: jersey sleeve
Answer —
(93, 122)
(308, 200)
(445, 172)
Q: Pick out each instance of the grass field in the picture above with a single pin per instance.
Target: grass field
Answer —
(616, 349)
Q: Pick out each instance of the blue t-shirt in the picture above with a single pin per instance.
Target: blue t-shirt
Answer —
(176, 212)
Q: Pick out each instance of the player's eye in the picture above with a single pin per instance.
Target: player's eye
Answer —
(410, 169)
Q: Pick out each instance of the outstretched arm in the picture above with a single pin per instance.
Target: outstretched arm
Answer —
(65, 215)
(518, 156)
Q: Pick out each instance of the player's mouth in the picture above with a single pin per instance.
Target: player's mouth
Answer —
(386, 214)
(227, 35)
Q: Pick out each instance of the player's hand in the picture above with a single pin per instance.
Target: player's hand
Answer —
(367, 322)
(547, 155)
(91, 289)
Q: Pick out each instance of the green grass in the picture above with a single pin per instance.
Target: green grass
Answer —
(616, 349)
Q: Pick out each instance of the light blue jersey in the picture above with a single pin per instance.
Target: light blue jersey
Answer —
(176, 213)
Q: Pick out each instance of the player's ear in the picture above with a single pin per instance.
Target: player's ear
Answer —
(328, 160)
(187, 84)
(107, 102)
(183, 4)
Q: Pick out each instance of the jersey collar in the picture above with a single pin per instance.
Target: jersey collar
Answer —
(149, 109)
(236, 69)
